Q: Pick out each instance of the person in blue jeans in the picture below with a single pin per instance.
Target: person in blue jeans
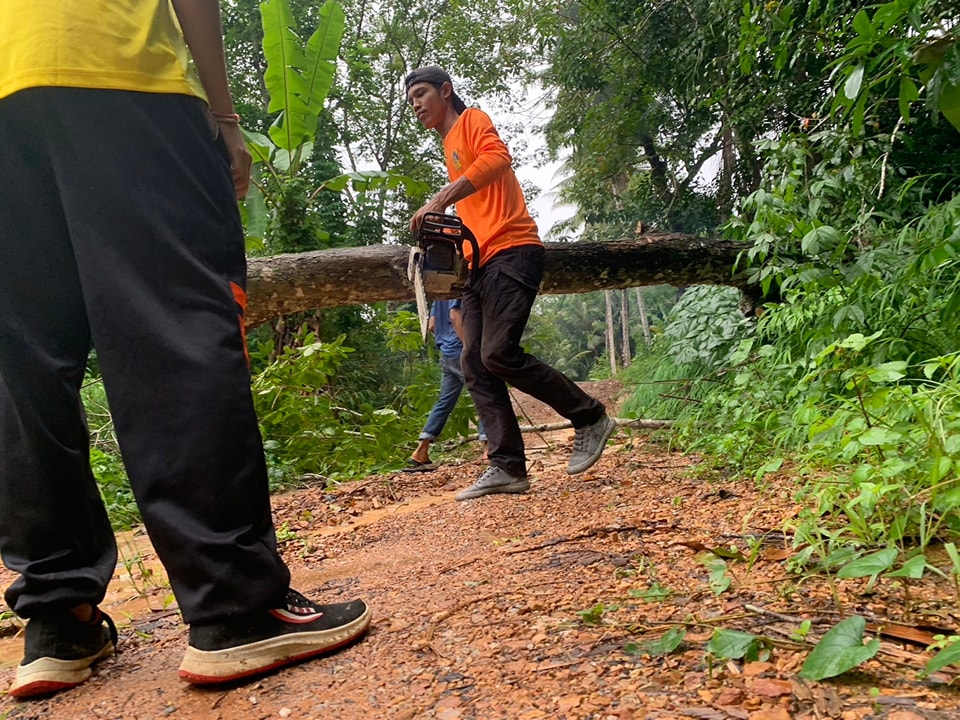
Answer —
(445, 319)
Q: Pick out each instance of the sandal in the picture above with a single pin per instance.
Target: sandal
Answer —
(417, 466)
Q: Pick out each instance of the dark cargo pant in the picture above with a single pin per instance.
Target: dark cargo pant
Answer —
(496, 306)
(119, 228)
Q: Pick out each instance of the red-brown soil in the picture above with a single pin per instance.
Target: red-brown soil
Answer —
(519, 607)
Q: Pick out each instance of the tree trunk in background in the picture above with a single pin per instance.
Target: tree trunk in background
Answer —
(609, 334)
(624, 329)
(644, 320)
(284, 284)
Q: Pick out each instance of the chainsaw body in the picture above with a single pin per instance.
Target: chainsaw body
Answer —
(437, 264)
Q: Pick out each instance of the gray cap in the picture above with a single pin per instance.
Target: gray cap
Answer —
(436, 76)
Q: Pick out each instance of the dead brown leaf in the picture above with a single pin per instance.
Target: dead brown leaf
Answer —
(772, 713)
(768, 687)
(912, 634)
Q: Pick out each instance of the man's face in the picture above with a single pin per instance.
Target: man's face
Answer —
(428, 103)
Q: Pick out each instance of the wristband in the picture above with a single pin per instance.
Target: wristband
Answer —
(226, 118)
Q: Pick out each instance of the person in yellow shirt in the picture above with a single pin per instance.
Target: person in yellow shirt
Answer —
(119, 228)
(503, 284)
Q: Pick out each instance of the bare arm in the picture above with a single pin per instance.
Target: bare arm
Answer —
(447, 196)
(456, 319)
(202, 29)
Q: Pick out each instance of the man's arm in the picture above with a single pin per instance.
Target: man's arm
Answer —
(203, 31)
(449, 194)
(456, 319)
(492, 161)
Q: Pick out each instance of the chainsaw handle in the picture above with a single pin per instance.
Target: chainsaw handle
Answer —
(441, 226)
(449, 228)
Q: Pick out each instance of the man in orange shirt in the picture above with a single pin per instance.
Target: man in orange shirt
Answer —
(504, 283)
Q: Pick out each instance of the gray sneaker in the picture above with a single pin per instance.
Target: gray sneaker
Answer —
(494, 480)
(588, 444)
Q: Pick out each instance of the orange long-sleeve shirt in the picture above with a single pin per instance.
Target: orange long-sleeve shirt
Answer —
(497, 212)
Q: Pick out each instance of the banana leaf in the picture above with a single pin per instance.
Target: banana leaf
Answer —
(299, 75)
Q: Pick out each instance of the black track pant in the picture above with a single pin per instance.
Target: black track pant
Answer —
(119, 228)
(496, 306)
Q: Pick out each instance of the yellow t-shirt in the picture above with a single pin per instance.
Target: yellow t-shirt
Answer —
(497, 213)
(107, 44)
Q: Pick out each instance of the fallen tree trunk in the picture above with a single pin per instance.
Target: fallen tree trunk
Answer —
(285, 284)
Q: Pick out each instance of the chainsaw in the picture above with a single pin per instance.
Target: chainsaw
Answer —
(437, 263)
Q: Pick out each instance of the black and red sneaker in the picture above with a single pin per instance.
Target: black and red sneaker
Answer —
(242, 648)
(58, 650)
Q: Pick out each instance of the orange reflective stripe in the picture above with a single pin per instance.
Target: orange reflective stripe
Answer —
(240, 296)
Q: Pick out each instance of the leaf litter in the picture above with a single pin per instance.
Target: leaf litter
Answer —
(641, 589)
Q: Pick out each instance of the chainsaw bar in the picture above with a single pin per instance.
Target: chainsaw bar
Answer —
(415, 276)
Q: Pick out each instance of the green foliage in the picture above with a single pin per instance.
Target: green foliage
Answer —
(567, 332)
(666, 644)
(705, 327)
(901, 440)
(870, 565)
(638, 108)
(661, 388)
(655, 593)
(295, 163)
(853, 373)
(841, 649)
(105, 460)
(898, 50)
(115, 489)
(719, 578)
(298, 77)
(946, 655)
(595, 614)
(734, 644)
(308, 430)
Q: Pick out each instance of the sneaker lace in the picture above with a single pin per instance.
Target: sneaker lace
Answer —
(298, 604)
(581, 438)
(487, 474)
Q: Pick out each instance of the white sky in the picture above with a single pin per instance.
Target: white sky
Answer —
(543, 207)
(532, 115)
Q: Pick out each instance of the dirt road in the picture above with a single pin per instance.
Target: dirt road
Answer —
(520, 607)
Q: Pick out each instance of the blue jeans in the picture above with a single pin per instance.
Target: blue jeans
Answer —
(451, 385)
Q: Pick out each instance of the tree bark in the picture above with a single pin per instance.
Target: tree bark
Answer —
(644, 320)
(624, 329)
(610, 338)
(284, 284)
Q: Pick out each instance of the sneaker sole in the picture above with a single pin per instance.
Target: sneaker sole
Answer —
(205, 667)
(514, 488)
(48, 675)
(591, 461)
